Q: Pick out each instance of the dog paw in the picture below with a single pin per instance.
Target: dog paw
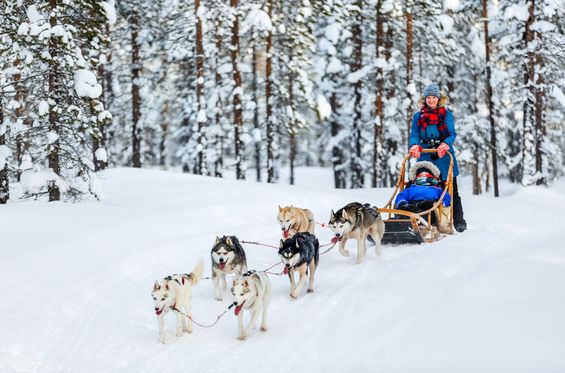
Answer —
(219, 299)
(293, 295)
(310, 290)
(344, 252)
(241, 338)
(263, 328)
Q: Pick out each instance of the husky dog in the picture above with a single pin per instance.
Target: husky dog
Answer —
(252, 291)
(360, 222)
(300, 253)
(293, 220)
(175, 292)
(227, 257)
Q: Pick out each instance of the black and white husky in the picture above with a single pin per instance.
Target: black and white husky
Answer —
(252, 292)
(300, 253)
(227, 257)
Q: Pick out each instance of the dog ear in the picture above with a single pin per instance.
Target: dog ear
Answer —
(245, 283)
(280, 208)
(217, 240)
(167, 286)
(281, 244)
(332, 214)
(156, 285)
(229, 241)
(345, 216)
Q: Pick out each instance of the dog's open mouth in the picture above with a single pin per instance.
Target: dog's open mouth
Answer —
(222, 265)
(158, 312)
(337, 238)
(285, 270)
(286, 233)
(238, 308)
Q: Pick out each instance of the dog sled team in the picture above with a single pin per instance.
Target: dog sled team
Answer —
(431, 179)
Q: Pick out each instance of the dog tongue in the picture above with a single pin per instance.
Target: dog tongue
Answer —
(335, 239)
(222, 265)
(238, 309)
(286, 233)
(285, 270)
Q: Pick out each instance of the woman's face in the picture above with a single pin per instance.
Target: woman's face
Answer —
(431, 101)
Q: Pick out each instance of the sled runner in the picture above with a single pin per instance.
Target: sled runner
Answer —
(409, 227)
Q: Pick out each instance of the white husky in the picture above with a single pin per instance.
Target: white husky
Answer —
(252, 291)
(174, 293)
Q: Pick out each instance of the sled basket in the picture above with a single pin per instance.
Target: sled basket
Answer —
(406, 227)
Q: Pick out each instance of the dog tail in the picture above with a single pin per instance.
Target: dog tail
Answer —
(197, 272)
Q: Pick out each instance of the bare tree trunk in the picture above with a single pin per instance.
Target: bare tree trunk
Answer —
(164, 134)
(292, 129)
(269, 108)
(409, 70)
(219, 163)
(135, 95)
(4, 180)
(54, 87)
(540, 127)
(200, 99)
(379, 114)
(255, 87)
(475, 170)
(340, 176)
(99, 141)
(357, 179)
(237, 109)
(490, 103)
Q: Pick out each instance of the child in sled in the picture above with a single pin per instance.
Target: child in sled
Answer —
(423, 190)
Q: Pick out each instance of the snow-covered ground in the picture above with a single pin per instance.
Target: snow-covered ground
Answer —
(76, 282)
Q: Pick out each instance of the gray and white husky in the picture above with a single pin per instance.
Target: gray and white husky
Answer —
(301, 254)
(360, 222)
(252, 292)
(227, 257)
(174, 293)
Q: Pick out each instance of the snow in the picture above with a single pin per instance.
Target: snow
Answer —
(109, 8)
(446, 23)
(77, 280)
(43, 108)
(332, 32)
(101, 155)
(520, 12)
(355, 76)
(23, 29)
(5, 153)
(557, 93)
(35, 182)
(543, 26)
(334, 66)
(451, 4)
(86, 85)
(324, 107)
(33, 14)
(257, 19)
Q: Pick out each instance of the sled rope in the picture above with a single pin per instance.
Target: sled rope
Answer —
(330, 248)
(202, 325)
(260, 244)
(323, 225)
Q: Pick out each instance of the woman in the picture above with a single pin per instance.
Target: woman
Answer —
(433, 128)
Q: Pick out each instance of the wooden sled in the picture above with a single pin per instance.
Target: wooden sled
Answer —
(405, 227)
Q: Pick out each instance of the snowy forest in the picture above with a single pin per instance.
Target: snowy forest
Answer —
(245, 88)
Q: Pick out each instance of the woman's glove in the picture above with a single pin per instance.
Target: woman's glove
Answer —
(442, 149)
(415, 151)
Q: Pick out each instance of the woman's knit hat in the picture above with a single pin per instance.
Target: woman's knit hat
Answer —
(432, 90)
